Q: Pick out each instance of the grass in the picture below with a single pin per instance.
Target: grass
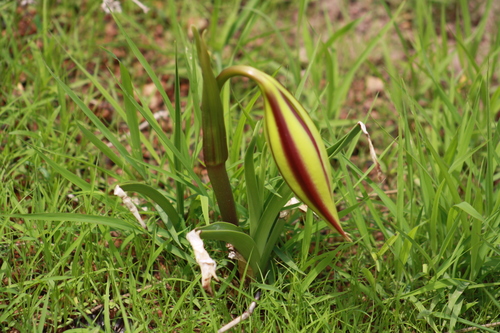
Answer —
(426, 255)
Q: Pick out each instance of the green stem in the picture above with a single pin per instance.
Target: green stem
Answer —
(178, 139)
(214, 136)
(236, 70)
(223, 192)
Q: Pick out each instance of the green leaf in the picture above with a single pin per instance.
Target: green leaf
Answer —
(111, 222)
(234, 235)
(344, 141)
(214, 131)
(158, 198)
(104, 148)
(467, 208)
(271, 241)
(178, 139)
(287, 260)
(326, 260)
(66, 173)
(343, 88)
(147, 68)
(269, 215)
(254, 199)
(76, 180)
(98, 123)
(171, 220)
(132, 119)
(341, 32)
(433, 286)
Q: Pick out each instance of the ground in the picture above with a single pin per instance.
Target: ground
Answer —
(425, 256)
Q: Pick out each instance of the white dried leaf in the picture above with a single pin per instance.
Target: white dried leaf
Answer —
(129, 204)
(207, 264)
(291, 202)
(373, 154)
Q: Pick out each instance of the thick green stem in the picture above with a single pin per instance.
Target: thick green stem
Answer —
(223, 192)
(178, 139)
(237, 70)
(214, 136)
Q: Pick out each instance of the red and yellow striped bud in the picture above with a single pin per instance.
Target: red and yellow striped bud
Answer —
(295, 144)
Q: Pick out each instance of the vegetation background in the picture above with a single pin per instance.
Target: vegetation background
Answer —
(423, 75)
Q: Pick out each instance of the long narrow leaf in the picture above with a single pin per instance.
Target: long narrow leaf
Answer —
(253, 198)
(343, 89)
(97, 122)
(344, 141)
(65, 172)
(178, 142)
(132, 121)
(232, 234)
(104, 148)
(269, 215)
(158, 198)
(111, 222)
(171, 148)
(147, 67)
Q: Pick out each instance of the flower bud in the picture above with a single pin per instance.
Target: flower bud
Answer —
(295, 144)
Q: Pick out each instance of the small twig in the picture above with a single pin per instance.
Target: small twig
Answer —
(470, 329)
(144, 8)
(244, 315)
(375, 194)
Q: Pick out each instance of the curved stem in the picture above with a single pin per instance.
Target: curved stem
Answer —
(242, 70)
(217, 172)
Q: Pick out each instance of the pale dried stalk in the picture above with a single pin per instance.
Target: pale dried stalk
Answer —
(144, 8)
(130, 205)
(373, 154)
(243, 316)
(470, 329)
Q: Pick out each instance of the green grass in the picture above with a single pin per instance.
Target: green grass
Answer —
(426, 255)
